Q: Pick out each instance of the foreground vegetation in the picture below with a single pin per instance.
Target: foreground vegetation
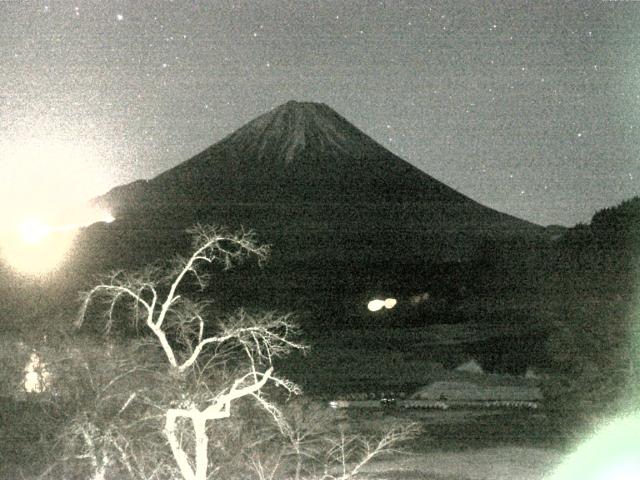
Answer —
(105, 412)
(173, 393)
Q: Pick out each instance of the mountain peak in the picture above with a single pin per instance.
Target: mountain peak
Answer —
(309, 151)
(284, 133)
(298, 104)
(302, 171)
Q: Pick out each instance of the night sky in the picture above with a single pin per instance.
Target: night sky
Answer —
(531, 108)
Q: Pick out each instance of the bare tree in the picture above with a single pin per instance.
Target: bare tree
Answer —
(350, 453)
(321, 446)
(134, 407)
(154, 298)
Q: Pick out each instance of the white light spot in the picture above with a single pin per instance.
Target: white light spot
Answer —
(36, 378)
(389, 303)
(119, 17)
(36, 247)
(107, 218)
(421, 297)
(33, 230)
(375, 305)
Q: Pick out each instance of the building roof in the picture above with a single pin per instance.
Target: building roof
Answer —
(465, 385)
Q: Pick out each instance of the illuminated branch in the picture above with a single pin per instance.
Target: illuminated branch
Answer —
(260, 337)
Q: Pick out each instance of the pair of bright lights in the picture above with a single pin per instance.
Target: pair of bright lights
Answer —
(377, 304)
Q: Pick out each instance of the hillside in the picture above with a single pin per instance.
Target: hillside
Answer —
(317, 189)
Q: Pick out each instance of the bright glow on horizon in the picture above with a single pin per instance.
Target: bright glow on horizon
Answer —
(32, 230)
(46, 176)
(44, 188)
(36, 254)
(35, 247)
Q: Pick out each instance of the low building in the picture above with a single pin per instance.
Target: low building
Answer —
(469, 388)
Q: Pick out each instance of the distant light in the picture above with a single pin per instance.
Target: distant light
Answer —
(389, 303)
(36, 376)
(33, 230)
(375, 305)
(421, 297)
(107, 217)
(36, 247)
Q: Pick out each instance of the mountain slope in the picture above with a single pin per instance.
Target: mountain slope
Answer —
(303, 151)
(341, 212)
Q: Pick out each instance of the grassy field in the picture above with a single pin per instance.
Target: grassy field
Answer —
(467, 445)
(453, 445)
(499, 463)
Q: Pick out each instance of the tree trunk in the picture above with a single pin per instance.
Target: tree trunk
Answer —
(202, 447)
